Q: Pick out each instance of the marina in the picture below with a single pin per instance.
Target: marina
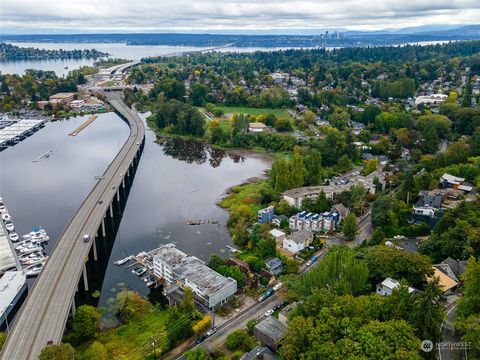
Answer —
(12, 132)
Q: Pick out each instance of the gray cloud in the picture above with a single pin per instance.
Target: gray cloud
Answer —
(143, 15)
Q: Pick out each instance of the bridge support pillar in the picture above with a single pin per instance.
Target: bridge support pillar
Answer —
(103, 227)
(118, 194)
(95, 256)
(123, 182)
(111, 210)
(72, 309)
(128, 171)
(85, 280)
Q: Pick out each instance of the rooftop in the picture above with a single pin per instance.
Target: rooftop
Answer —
(452, 179)
(10, 284)
(62, 96)
(445, 282)
(192, 269)
(272, 327)
(299, 236)
(7, 253)
(276, 233)
(259, 353)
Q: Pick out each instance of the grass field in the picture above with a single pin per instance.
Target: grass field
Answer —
(279, 113)
(122, 342)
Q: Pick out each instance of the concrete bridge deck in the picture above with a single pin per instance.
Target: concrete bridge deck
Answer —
(45, 312)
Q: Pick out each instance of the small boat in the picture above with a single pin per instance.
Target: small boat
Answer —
(123, 261)
(151, 283)
(13, 236)
(6, 216)
(34, 270)
(66, 67)
(30, 249)
(34, 261)
(9, 226)
(139, 270)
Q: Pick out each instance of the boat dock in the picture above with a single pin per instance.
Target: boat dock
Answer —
(83, 126)
(12, 132)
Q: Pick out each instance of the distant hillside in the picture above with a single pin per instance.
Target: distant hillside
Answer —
(332, 39)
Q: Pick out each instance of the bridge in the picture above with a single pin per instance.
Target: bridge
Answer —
(44, 314)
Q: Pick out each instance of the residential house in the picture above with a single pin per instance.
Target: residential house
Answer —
(270, 332)
(266, 215)
(386, 287)
(455, 182)
(274, 265)
(297, 241)
(453, 268)
(283, 314)
(342, 211)
(432, 198)
(445, 282)
(278, 235)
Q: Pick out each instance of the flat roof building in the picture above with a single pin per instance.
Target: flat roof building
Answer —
(176, 267)
(12, 286)
(270, 332)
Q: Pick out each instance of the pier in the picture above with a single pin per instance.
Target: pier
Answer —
(17, 131)
(83, 126)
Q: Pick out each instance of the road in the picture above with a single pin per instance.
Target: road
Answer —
(44, 314)
(239, 321)
(447, 331)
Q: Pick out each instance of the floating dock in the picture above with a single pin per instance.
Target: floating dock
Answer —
(83, 126)
(15, 131)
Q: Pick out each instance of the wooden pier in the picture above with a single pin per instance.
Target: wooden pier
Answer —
(83, 126)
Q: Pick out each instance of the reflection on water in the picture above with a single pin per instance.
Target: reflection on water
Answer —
(193, 151)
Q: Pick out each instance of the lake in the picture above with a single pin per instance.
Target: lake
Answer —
(116, 50)
(175, 180)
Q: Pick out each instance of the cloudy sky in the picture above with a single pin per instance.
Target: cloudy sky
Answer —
(41, 16)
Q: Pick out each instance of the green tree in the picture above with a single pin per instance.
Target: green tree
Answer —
(430, 140)
(469, 304)
(178, 326)
(238, 340)
(3, 338)
(313, 166)
(215, 132)
(95, 351)
(350, 227)
(266, 248)
(426, 314)
(297, 171)
(340, 272)
(86, 322)
(385, 261)
(57, 352)
(199, 353)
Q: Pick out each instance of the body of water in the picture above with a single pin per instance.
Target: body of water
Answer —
(176, 180)
(62, 67)
(116, 50)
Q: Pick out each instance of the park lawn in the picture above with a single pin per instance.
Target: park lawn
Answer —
(225, 125)
(279, 113)
(124, 339)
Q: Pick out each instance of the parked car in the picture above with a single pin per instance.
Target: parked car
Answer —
(269, 312)
(211, 332)
(86, 238)
(201, 338)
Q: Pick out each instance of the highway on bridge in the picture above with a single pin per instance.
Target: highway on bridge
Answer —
(44, 314)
